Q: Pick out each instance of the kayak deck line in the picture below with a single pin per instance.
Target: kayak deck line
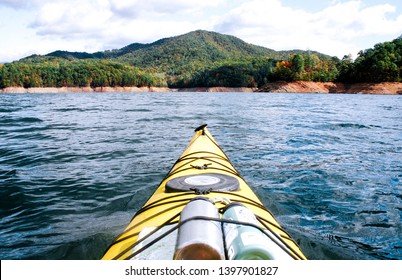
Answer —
(177, 226)
(202, 171)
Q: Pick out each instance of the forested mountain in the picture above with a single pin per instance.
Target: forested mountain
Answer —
(194, 46)
(182, 53)
(200, 58)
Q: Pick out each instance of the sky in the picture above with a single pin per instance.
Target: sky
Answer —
(333, 27)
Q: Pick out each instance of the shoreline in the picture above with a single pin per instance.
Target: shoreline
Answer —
(388, 88)
(22, 90)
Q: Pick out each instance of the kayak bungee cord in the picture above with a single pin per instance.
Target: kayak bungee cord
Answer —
(206, 166)
(290, 251)
(202, 175)
(170, 221)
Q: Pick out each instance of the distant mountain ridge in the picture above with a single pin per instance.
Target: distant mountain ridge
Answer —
(195, 47)
(195, 39)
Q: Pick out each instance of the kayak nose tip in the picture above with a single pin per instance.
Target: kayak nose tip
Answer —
(201, 128)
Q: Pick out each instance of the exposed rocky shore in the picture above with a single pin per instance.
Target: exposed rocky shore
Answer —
(315, 87)
(280, 87)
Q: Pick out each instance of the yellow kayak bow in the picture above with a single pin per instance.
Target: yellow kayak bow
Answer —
(202, 171)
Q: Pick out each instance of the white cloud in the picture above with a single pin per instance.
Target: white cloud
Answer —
(119, 22)
(71, 18)
(340, 28)
(352, 19)
(13, 3)
(335, 30)
(23, 4)
(138, 8)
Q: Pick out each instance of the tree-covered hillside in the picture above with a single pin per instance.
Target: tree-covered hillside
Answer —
(383, 63)
(55, 72)
(200, 58)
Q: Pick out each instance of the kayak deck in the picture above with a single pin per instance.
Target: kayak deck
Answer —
(203, 170)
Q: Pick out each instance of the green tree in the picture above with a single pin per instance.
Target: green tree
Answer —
(297, 66)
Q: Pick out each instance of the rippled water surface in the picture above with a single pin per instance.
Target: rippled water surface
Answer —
(74, 168)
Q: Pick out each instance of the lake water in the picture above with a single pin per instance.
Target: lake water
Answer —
(74, 168)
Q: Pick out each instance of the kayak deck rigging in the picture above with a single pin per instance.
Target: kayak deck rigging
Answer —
(205, 171)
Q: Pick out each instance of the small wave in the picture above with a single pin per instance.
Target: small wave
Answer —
(343, 126)
(161, 119)
(388, 108)
(7, 152)
(23, 160)
(7, 174)
(81, 110)
(16, 121)
(5, 110)
(372, 212)
(139, 110)
(351, 125)
(28, 120)
(380, 225)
